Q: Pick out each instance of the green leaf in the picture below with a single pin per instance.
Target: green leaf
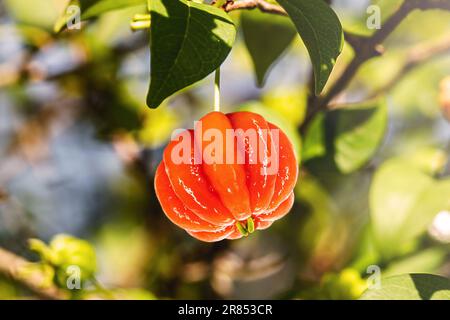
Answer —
(24, 13)
(411, 287)
(349, 136)
(266, 37)
(428, 204)
(44, 252)
(314, 143)
(396, 186)
(404, 200)
(321, 31)
(70, 251)
(427, 261)
(93, 8)
(188, 41)
(359, 132)
(65, 251)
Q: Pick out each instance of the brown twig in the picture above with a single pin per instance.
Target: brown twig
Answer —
(416, 57)
(13, 267)
(254, 4)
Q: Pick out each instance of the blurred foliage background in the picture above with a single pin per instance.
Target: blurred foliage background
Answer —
(79, 147)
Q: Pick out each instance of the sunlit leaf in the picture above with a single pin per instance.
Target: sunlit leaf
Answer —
(321, 31)
(350, 136)
(404, 199)
(359, 132)
(314, 144)
(65, 252)
(424, 261)
(411, 287)
(24, 12)
(189, 40)
(395, 189)
(428, 204)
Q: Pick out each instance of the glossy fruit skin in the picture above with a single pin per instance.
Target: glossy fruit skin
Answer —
(209, 199)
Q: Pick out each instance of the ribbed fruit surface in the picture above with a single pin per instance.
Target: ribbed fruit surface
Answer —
(227, 187)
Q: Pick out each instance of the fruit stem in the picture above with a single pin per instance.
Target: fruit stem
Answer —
(217, 90)
(140, 25)
(242, 229)
(141, 17)
(140, 22)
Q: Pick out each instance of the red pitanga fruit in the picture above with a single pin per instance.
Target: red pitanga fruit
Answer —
(234, 174)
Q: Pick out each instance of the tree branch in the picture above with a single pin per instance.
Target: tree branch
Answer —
(366, 48)
(13, 266)
(416, 57)
(254, 4)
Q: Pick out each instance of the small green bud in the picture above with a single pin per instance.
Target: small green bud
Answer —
(69, 251)
(66, 254)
